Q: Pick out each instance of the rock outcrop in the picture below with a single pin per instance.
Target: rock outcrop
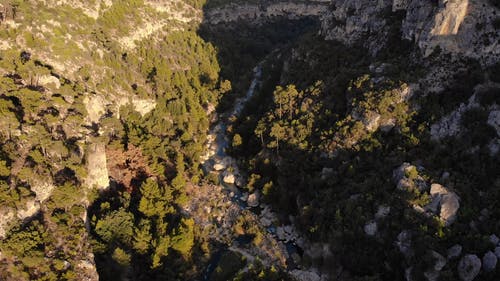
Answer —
(97, 171)
(451, 25)
(444, 202)
(447, 201)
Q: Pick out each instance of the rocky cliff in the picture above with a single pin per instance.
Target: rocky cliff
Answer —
(467, 27)
(463, 27)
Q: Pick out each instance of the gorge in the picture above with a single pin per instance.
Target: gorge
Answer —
(271, 140)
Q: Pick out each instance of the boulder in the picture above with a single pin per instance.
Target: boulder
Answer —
(219, 167)
(454, 252)
(489, 261)
(437, 189)
(449, 208)
(229, 178)
(494, 239)
(253, 199)
(371, 228)
(97, 169)
(469, 267)
(446, 200)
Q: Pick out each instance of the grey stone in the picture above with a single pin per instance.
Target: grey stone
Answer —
(371, 228)
(449, 208)
(489, 261)
(454, 252)
(494, 239)
(469, 267)
(253, 199)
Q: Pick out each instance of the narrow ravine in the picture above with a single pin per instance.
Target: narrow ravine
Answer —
(282, 243)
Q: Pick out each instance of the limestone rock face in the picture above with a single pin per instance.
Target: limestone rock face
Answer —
(143, 106)
(450, 125)
(96, 107)
(32, 207)
(469, 267)
(97, 171)
(87, 270)
(451, 25)
(42, 190)
(448, 202)
(6, 216)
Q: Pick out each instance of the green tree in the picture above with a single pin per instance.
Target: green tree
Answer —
(154, 200)
(237, 141)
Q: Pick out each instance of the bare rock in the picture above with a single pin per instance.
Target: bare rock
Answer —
(494, 239)
(489, 261)
(371, 228)
(253, 199)
(449, 208)
(229, 178)
(302, 275)
(219, 167)
(32, 208)
(469, 267)
(454, 252)
(97, 170)
(6, 217)
(446, 200)
(49, 80)
(143, 106)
